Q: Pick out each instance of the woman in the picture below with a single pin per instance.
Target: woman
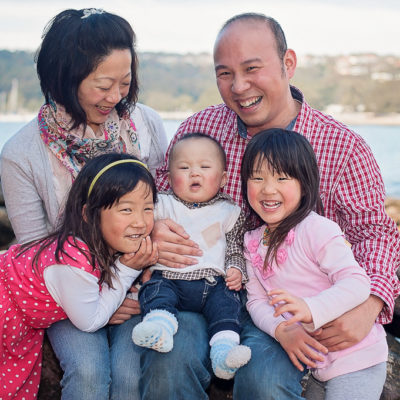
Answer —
(87, 67)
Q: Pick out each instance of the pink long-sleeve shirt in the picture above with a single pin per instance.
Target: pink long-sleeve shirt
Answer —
(316, 264)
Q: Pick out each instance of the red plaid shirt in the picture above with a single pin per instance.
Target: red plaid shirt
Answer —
(351, 188)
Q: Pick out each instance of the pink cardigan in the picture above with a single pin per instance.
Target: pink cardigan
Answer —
(316, 264)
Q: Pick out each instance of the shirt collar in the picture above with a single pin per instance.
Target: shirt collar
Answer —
(242, 130)
(188, 204)
(292, 123)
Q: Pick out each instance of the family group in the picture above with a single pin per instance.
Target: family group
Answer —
(255, 246)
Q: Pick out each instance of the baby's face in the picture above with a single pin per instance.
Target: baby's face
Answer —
(196, 170)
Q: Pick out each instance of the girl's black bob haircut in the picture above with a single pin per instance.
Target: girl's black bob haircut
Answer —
(289, 153)
(72, 48)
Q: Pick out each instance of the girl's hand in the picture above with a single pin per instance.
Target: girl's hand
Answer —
(300, 346)
(233, 279)
(145, 256)
(292, 304)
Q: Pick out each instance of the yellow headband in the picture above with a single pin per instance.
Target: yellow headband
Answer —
(113, 164)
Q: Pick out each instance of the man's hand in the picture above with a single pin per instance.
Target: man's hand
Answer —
(146, 275)
(299, 345)
(285, 302)
(128, 308)
(174, 245)
(351, 327)
(233, 279)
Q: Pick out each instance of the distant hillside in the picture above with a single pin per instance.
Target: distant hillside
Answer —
(173, 82)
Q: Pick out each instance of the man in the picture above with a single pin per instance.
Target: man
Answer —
(253, 68)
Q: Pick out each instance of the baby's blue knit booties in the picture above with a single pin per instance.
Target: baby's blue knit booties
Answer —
(156, 331)
(227, 357)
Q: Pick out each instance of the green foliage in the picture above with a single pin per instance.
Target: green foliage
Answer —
(174, 82)
(20, 65)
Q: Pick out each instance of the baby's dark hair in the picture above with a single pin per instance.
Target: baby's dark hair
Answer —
(199, 135)
(289, 153)
(81, 216)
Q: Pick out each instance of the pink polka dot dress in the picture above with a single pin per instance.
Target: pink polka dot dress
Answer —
(26, 309)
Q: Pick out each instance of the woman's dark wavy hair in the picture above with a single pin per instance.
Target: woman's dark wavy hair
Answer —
(72, 48)
(289, 153)
(108, 189)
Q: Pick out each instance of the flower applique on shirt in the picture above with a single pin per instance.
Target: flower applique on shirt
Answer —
(257, 250)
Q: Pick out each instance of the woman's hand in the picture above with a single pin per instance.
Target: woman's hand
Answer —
(285, 302)
(145, 256)
(300, 346)
(233, 279)
(174, 245)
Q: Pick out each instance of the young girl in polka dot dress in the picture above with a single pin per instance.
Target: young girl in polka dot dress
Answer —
(81, 272)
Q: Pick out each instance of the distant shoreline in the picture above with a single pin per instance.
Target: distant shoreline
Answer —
(366, 118)
(355, 118)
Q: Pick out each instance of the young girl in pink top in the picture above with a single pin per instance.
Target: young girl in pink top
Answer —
(81, 272)
(301, 272)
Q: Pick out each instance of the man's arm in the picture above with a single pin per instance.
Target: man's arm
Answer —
(351, 327)
(375, 243)
(373, 235)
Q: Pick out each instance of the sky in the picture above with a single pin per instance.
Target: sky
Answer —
(180, 26)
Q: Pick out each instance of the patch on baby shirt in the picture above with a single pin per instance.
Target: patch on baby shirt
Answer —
(212, 234)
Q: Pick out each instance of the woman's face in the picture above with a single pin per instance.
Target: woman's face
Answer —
(104, 87)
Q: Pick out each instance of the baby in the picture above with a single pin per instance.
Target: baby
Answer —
(197, 172)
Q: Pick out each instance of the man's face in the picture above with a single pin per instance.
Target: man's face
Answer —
(252, 80)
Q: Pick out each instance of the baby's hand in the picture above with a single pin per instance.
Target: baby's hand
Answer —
(233, 279)
(145, 256)
(292, 304)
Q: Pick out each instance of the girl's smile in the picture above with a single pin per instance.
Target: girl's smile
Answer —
(130, 220)
(273, 196)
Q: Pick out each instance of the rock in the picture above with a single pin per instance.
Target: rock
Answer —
(391, 391)
(6, 232)
(392, 206)
(50, 388)
(1, 196)
(220, 390)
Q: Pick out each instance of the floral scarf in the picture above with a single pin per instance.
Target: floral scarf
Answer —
(73, 148)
